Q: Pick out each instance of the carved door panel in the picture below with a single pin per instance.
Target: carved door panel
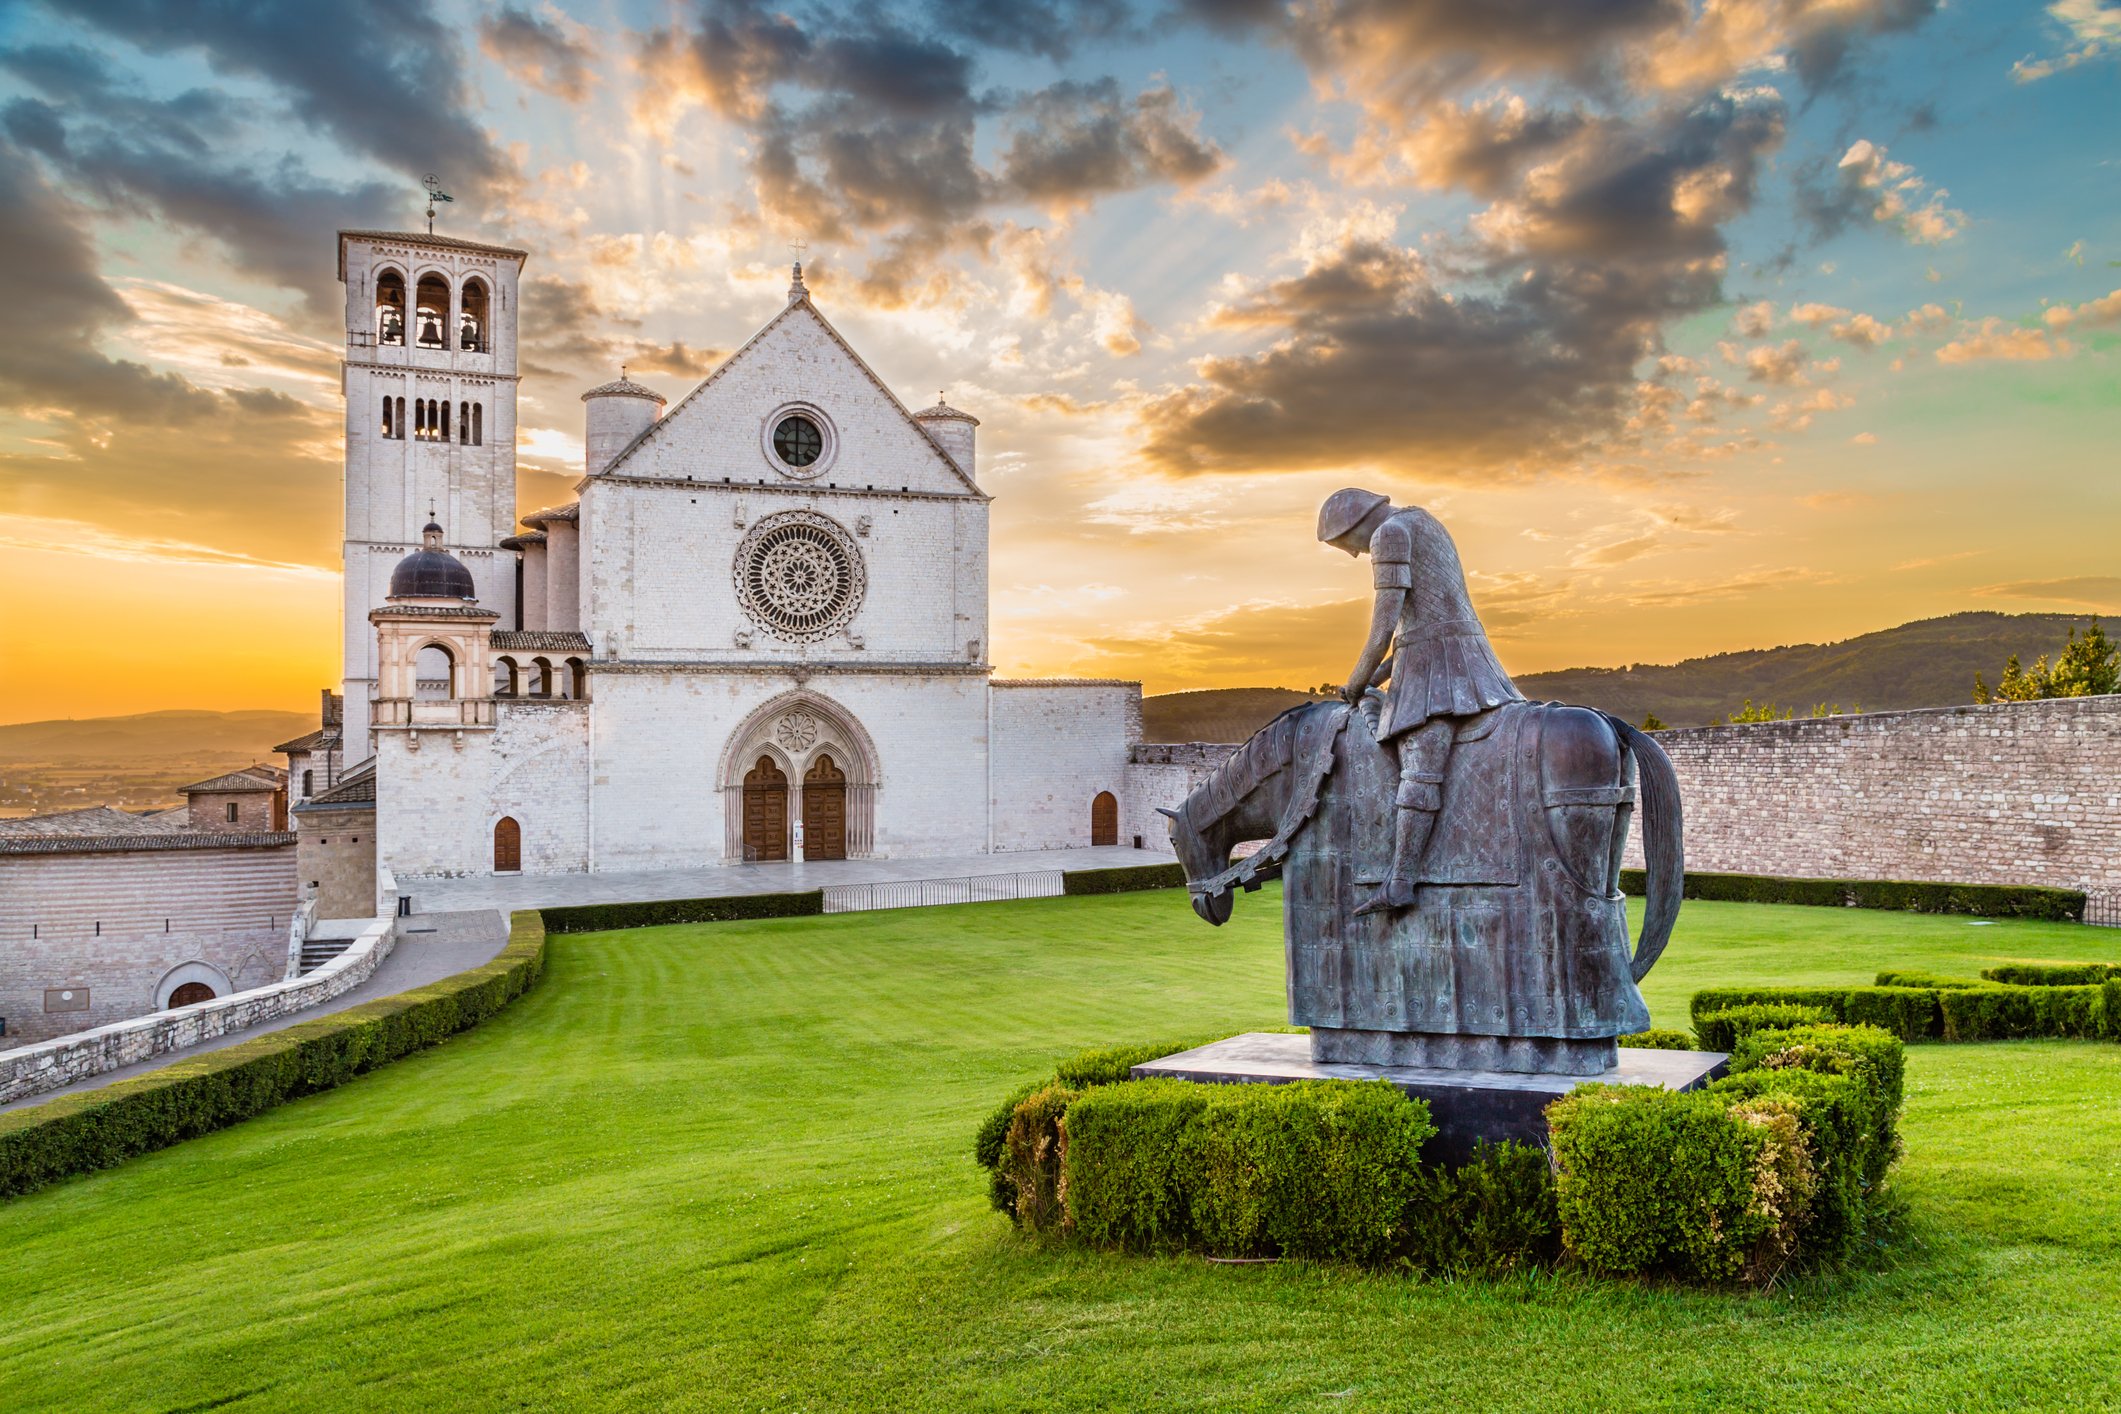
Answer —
(824, 811)
(507, 846)
(765, 812)
(1104, 819)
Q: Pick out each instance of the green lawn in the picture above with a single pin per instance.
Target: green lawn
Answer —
(727, 1166)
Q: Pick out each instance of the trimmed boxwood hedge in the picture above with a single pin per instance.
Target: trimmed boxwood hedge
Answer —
(1657, 1040)
(1723, 1030)
(1781, 1162)
(1945, 1011)
(1906, 896)
(2051, 974)
(602, 917)
(95, 1129)
(1125, 880)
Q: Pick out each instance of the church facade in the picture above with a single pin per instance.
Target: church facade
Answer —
(759, 632)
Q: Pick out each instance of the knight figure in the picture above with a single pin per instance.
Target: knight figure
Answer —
(1426, 639)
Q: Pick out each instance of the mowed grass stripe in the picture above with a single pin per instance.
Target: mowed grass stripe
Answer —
(727, 1166)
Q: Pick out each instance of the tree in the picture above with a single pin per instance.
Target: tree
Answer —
(2087, 666)
(1765, 712)
(1651, 723)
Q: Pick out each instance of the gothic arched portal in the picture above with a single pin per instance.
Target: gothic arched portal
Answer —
(765, 812)
(819, 748)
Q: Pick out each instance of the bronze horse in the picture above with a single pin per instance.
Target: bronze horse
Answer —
(1515, 955)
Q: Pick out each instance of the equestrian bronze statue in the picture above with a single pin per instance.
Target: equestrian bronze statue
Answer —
(1450, 852)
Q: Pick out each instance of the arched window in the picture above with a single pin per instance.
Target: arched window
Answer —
(419, 418)
(463, 424)
(309, 783)
(507, 846)
(190, 994)
(541, 677)
(577, 679)
(386, 418)
(507, 679)
(478, 426)
(434, 674)
(471, 321)
(431, 315)
(401, 418)
(390, 308)
(1104, 819)
(443, 409)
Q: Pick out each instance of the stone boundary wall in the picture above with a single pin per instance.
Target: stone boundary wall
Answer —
(33, 1070)
(2007, 793)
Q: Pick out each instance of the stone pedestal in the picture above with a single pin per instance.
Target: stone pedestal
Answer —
(1465, 1105)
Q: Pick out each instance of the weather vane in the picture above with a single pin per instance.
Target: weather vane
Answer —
(434, 194)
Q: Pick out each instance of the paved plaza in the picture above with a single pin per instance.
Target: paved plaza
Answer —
(513, 891)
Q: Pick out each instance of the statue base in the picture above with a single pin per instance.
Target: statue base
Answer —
(1519, 1055)
(1464, 1105)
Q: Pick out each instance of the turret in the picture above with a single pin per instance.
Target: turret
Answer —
(618, 413)
(951, 429)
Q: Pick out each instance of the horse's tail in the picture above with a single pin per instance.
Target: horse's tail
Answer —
(1663, 851)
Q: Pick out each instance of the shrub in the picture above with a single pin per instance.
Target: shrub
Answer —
(94, 1129)
(1911, 1013)
(1656, 1040)
(601, 917)
(1032, 1155)
(1108, 1065)
(1838, 1119)
(1979, 900)
(1494, 1213)
(1318, 1169)
(1648, 1179)
(1721, 1030)
(2066, 974)
(1999, 1013)
(1123, 880)
(1915, 977)
(1874, 1057)
(994, 1129)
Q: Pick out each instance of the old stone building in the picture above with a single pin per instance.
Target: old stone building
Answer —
(758, 632)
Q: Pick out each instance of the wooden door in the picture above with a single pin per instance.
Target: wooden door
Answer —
(824, 810)
(765, 812)
(507, 846)
(1104, 819)
(190, 994)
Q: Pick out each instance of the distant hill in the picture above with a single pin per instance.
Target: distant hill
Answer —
(152, 737)
(1216, 714)
(1929, 663)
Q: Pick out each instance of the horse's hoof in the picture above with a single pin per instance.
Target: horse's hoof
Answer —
(1215, 908)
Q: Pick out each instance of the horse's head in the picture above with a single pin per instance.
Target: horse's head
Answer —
(1199, 857)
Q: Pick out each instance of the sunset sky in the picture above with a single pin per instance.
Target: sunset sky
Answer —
(1703, 326)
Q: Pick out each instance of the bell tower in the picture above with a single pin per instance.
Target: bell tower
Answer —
(430, 384)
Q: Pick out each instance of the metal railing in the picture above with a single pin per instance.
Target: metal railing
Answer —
(930, 893)
(2102, 908)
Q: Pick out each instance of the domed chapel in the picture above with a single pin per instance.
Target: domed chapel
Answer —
(757, 633)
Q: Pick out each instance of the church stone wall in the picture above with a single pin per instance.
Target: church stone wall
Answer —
(437, 804)
(1057, 745)
(116, 922)
(2012, 793)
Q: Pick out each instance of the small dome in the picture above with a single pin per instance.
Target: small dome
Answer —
(623, 387)
(943, 412)
(431, 572)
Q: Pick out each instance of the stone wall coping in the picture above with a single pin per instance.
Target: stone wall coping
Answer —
(2046, 706)
(50, 1065)
(1065, 682)
(779, 669)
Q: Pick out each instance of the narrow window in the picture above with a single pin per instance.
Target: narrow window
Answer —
(401, 419)
(386, 417)
(444, 410)
(419, 418)
(478, 425)
(463, 423)
(309, 783)
(231, 812)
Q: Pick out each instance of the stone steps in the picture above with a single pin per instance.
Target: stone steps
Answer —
(318, 951)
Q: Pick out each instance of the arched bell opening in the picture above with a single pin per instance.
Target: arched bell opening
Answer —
(430, 319)
(471, 317)
(390, 308)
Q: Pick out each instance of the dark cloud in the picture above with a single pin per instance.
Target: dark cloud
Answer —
(1075, 141)
(1821, 44)
(537, 52)
(59, 307)
(1374, 363)
(385, 77)
(1051, 28)
(676, 358)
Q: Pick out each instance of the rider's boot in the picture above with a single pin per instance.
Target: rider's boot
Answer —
(1418, 803)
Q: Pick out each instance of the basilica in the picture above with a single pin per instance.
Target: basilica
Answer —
(757, 632)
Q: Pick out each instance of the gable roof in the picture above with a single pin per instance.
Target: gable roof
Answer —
(801, 302)
(254, 779)
(95, 820)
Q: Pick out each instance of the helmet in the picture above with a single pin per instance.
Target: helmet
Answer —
(1344, 510)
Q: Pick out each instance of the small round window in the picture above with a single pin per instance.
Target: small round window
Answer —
(797, 440)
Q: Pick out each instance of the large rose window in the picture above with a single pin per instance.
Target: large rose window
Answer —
(799, 576)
